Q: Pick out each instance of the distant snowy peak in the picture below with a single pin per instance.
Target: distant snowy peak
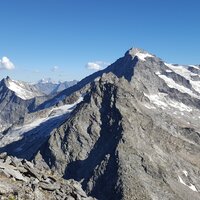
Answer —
(21, 89)
(141, 54)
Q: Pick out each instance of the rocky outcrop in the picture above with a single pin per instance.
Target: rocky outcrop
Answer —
(19, 179)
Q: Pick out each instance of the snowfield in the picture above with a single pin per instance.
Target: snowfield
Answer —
(22, 90)
(55, 115)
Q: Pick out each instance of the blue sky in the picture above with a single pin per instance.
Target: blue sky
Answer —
(61, 38)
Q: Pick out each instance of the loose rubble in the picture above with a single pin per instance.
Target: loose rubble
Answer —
(21, 180)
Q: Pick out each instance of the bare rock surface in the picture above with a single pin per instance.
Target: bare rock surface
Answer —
(21, 180)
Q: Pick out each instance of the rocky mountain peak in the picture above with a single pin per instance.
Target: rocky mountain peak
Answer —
(140, 53)
(8, 78)
(5, 81)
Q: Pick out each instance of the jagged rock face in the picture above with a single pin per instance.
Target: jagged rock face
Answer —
(134, 136)
(19, 179)
(16, 99)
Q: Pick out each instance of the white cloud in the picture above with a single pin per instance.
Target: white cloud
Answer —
(55, 68)
(93, 66)
(6, 64)
(97, 65)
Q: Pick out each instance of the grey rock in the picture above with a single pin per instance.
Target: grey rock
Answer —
(8, 160)
(5, 188)
(38, 195)
(69, 198)
(79, 190)
(12, 171)
(50, 187)
(16, 162)
(32, 172)
(3, 155)
(21, 184)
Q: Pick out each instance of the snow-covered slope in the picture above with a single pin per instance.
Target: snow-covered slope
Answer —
(23, 90)
(16, 99)
(23, 140)
(189, 72)
(141, 54)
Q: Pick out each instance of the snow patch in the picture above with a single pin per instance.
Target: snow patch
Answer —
(185, 172)
(172, 84)
(65, 108)
(141, 55)
(179, 106)
(183, 71)
(157, 99)
(158, 73)
(191, 186)
(161, 101)
(20, 90)
(18, 132)
(149, 106)
(195, 85)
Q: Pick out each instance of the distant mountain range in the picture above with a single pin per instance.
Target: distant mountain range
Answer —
(48, 86)
(130, 131)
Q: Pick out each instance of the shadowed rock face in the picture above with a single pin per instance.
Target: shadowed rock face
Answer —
(135, 135)
(110, 130)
